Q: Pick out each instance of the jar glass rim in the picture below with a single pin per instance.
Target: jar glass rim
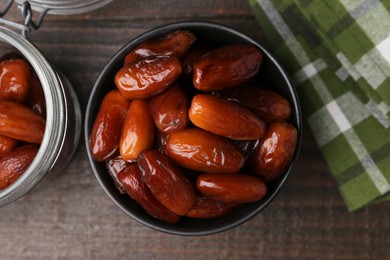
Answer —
(56, 118)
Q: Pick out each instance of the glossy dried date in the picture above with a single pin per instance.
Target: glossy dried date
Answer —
(235, 188)
(15, 163)
(21, 122)
(225, 118)
(138, 131)
(107, 127)
(14, 80)
(191, 58)
(7, 144)
(275, 151)
(114, 167)
(268, 105)
(209, 208)
(166, 182)
(227, 67)
(148, 76)
(200, 150)
(131, 181)
(176, 44)
(169, 109)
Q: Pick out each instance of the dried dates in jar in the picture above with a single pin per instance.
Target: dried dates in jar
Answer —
(22, 117)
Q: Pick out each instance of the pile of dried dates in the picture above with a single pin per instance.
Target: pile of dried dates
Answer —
(188, 130)
(22, 117)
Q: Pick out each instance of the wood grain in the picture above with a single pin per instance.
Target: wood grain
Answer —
(68, 216)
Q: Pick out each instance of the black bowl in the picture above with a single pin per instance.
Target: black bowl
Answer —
(215, 35)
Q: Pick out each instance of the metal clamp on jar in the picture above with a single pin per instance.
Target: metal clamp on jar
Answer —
(62, 113)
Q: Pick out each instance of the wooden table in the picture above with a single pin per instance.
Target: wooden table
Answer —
(70, 217)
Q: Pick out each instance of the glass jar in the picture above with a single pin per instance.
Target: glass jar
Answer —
(63, 115)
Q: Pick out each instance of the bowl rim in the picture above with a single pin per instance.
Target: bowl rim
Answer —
(175, 26)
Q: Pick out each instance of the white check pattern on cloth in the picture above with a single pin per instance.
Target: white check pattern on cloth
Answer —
(336, 122)
(348, 69)
(384, 49)
(374, 66)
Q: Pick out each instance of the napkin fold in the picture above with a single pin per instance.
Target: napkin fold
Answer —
(338, 54)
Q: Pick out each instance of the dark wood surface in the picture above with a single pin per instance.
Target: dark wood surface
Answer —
(69, 216)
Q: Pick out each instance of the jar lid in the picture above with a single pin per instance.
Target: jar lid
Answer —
(65, 7)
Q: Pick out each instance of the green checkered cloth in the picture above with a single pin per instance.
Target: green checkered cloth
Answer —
(338, 53)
